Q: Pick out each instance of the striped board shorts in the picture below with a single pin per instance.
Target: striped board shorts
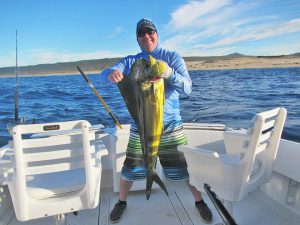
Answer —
(172, 161)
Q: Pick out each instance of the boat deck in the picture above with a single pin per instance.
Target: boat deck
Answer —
(257, 208)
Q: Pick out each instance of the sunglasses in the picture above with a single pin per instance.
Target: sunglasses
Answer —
(144, 32)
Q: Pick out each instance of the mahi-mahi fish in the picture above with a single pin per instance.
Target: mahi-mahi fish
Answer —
(143, 93)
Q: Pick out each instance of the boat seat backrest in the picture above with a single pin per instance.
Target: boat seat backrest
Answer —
(53, 154)
(263, 140)
(57, 169)
(49, 154)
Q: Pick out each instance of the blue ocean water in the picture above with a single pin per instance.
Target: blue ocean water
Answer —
(230, 97)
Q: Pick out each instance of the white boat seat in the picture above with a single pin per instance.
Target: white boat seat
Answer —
(41, 187)
(54, 174)
(248, 160)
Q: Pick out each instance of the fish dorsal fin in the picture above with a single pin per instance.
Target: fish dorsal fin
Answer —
(152, 60)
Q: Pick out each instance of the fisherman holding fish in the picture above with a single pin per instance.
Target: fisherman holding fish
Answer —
(157, 129)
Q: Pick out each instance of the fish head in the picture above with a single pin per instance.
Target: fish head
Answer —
(141, 70)
(147, 70)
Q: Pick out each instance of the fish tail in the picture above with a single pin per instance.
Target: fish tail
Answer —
(154, 177)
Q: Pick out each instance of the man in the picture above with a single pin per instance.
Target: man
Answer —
(177, 81)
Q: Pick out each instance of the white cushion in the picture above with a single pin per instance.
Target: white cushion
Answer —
(54, 184)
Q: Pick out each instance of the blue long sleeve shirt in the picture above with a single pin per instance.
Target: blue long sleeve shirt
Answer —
(178, 83)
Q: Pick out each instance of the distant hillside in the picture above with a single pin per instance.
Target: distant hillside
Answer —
(98, 65)
(296, 54)
(95, 65)
(60, 68)
(236, 54)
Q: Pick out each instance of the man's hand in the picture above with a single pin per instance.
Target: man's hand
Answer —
(115, 76)
(160, 68)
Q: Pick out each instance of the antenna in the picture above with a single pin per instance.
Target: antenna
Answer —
(17, 84)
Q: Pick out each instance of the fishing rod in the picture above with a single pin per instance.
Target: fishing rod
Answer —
(17, 84)
(226, 217)
(100, 98)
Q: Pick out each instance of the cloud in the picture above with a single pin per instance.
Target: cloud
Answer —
(188, 14)
(194, 51)
(8, 60)
(279, 49)
(258, 33)
(203, 22)
(201, 27)
(45, 56)
(116, 32)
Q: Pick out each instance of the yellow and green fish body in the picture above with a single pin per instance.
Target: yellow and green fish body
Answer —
(144, 98)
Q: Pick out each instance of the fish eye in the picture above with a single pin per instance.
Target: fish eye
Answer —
(148, 65)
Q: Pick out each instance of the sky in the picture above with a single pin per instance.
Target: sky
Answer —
(72, 30)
